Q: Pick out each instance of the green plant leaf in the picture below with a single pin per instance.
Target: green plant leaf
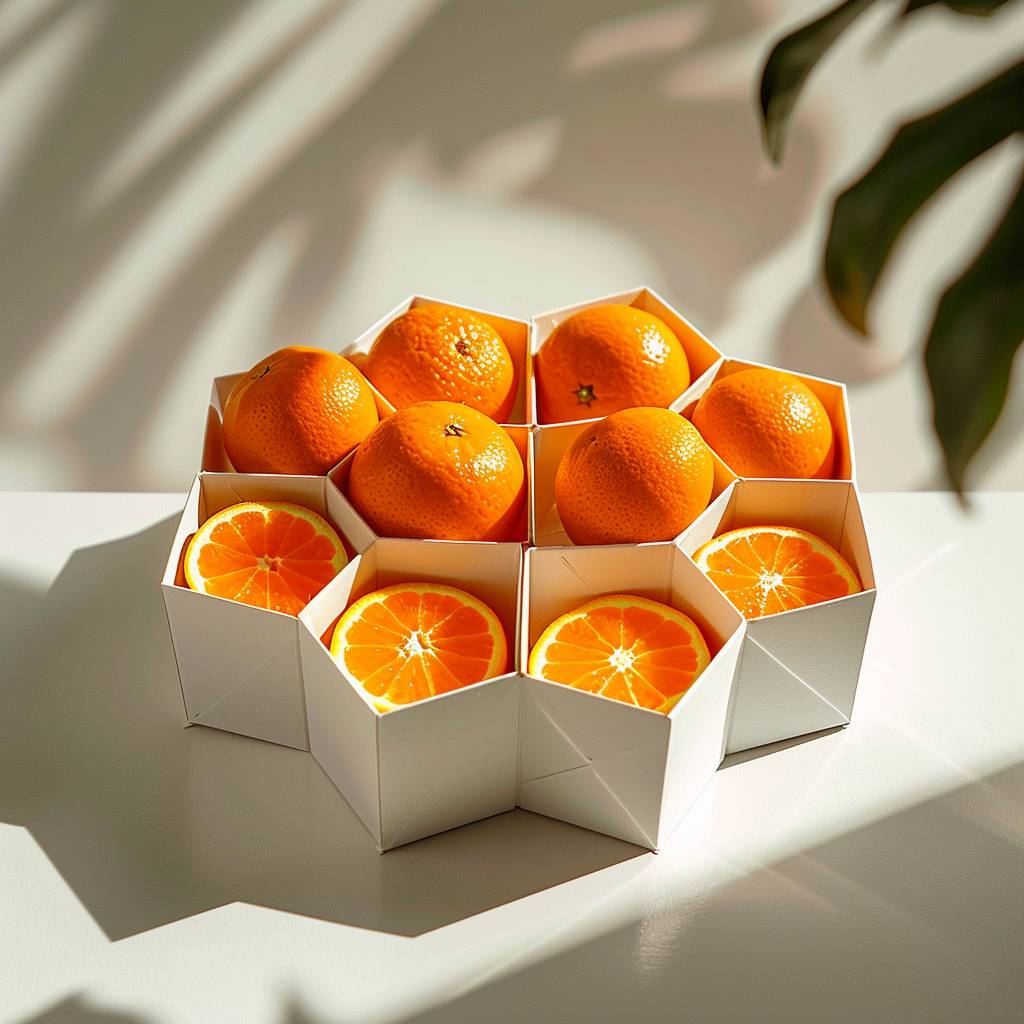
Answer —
(792, 59)
(974, 8)
(923, 155)
(978, 327)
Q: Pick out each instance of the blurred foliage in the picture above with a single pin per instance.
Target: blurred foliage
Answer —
(979, 321)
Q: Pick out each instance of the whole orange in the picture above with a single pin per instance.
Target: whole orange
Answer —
(607, 358)
(444, 354)
(300, 410)
(766, 423)
(438, 470)
(639, 475)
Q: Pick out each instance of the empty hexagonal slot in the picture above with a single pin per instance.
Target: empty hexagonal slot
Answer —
(515, 334)
(548, 446)
(831, 393)
(700, 353)
(430, 765)
(237, 663)
(799, 669)
(601, 763)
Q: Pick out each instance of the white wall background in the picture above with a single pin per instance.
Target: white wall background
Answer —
(186, 186)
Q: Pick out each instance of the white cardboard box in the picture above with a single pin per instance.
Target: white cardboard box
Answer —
(572, 755)
(702, 356)
(238, 665)
(437, 763)
(601, 763)
(799, 669)
(515, 334)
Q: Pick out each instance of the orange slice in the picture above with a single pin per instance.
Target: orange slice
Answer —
(627, 648)
(768, 569)
(416, 640)
(270, 554)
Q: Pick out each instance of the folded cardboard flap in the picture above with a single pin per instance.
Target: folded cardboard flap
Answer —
(238, 667)
(831, 393)
(188, 523)
(342, 724)
(450, 760)
(718, 620)
(215, 457)
(593, 762)
(701, 355)
(515, 334)
(560, 579)
(422, 769)
(549, 443)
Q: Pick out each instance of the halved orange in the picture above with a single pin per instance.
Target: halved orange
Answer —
(768, 569)
(270, 554)
(628, 648)
(410, 641)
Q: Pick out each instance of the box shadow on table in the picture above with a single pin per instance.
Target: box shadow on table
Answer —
(149, 822)
(753, 753)
(892, 920)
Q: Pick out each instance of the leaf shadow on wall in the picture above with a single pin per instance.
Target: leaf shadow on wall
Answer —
(683, 176)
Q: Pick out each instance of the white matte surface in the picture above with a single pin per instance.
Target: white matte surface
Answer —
(154, 874)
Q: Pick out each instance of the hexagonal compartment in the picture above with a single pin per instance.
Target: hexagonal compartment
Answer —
(601, 763)
(215, 457)
(548, 445)
(437, 763)
(520, 437)
(700, 353)
(515, 333)
(237, 664)
(831, 393)
(799, 669)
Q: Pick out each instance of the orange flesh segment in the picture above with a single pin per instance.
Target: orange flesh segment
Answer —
(411, 641)
(627, 648)
(271, 555)
(771, 569)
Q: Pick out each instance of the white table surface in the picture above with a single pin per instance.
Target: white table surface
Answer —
(150, 873)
